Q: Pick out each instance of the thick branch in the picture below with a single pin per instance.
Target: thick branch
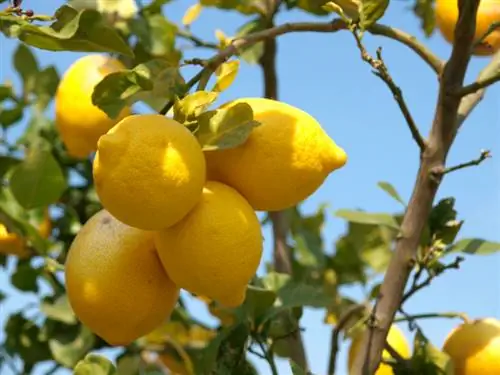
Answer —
(441, 137)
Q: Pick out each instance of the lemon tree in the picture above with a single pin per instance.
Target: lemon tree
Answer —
(155, 222)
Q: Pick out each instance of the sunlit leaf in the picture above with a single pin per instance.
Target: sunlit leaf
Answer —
(94, 364)
(389, 189)
(226, 73)
(474, 246)
(59, 310)
(371, 11)
(192, 105)
(368, 218)
(68, 349)
(192, 13)
(124, 8)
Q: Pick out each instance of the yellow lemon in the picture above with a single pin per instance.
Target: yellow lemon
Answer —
(283, 161)
(488, 13)
(474, 347)
(149, 171)
(13, 244)
(115, 282)
(79, 122)
(216, 249)
(395, 338)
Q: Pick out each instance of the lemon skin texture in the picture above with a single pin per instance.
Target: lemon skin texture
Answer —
(474, 347)
(488, 13)
(395, 338)
(216, 249)
(149, 171)
(115, 282)
(283, 161)
(79, 122)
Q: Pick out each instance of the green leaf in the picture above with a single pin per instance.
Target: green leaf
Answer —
(6, 92)
(296, 369)
(232, 351)
(275, 280)
(389, 189)
(226, 127)
(156, 35)
(69, 349)
(73, 30)
(25, 277)
(94, 364)
(38, 181)
(154, 79)
(46, 86)
(10, 116)
(313, 6)
(243, 6)
(258, 300)
(60, 310)
(191, 106)
(295, 294)
(26, 65)
(155, 6)
(424, 10)
(371, 11)
(253, 53)
(427, 359)
(129, 364)
(124, 8)
(368, 218)
(475, 246)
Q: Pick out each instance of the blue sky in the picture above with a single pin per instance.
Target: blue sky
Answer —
(323, 75)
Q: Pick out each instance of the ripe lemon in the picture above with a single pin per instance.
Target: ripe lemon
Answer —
(79, 122)
(488, 13)
(216, 249)
(115, 282)
(283, 161)
(13, 244)
(396, 340)
(474, 347)
(149, 171)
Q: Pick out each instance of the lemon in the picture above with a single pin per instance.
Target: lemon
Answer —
(488, 13)
(474, 347)
(115, 282)
(396, 340)
(79, 122)
(283, 161)
(149, 171)
(216, 249)
(13, 244)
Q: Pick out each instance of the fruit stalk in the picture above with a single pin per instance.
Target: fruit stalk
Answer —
(281, 254)
(442, 135)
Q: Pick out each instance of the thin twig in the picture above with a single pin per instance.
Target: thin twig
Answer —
(485, 154)
(198, 42)
(334, 345)
(382, 72)
(431, 276)
(480, 84)
(269, 358)
(256, 353)
(445, 315)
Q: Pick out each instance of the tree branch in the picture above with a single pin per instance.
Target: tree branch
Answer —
(382, 72)
(445, 315)
(442, 134)
(281, 252)
(334, 346)
(195, 40)
(479, 84)
(485, 154)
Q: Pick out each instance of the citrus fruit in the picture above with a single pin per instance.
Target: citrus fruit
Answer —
(488, 13)
(396, 340)
(216, 249)
(474, 347)
(13, 244)
(79, 122)
(149, 171)
(283, 161)
(115, 282)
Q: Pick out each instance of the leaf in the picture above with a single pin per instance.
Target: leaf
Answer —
(94, 364)
(155, 6)
(60, 310)
(155, 78)
(389, 189)
(192, 13)
(67, 351)
(225, 128)
(424, 10)
(25, 277)
(296, 369)
(6, 92)
(191, 106)
(226, 73)
(442, 222)
(26, 65)
(231, 352)
(243, 6)
(427, 359)
(313, 6)
(124, 8)
(258, 300)
(129, 364)
(6, 163)
(371, 11)
(10, 116)
(368, 218)
(156, 34)
(253, 53)
(38, 181)
(84, 31)
(474, 246)
(295, 294)
(46, 86)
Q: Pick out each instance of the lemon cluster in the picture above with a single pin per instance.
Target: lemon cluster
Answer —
(176, 216)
